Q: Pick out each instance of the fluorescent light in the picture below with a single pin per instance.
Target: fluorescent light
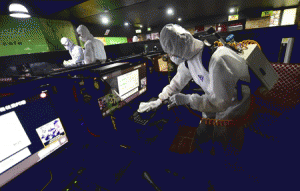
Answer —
(19, 15)
(179, 19)
(14, 7)
(18, 11)
(170, 11)
(126, 23)
(105, 20)
(231, 10)
(138, 31)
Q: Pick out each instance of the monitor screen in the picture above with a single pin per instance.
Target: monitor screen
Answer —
(163, 65)
(122, 86)
(30, 130)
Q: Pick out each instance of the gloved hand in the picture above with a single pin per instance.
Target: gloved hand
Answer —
(68, 63)
(149, 106)
(180, 99)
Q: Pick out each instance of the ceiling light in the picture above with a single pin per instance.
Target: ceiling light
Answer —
(138, 31)
(17, 7)
(179, 19)
(105, 20)
(170, 11)
(19, 15)
(231, 10)
(18, 11)
(126, 23)
(141, 26)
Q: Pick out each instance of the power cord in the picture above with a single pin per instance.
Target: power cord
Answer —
(49, 181)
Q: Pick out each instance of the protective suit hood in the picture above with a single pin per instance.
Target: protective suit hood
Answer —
(84, 33)
(177, 41)
(67, 43)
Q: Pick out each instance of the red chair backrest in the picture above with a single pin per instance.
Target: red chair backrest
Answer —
(285, 94)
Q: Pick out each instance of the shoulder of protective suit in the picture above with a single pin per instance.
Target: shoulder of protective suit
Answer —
(221, 51)
(87, 43)
(78, 47)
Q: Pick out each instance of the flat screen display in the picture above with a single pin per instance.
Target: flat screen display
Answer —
(122, 86)
(30, 130)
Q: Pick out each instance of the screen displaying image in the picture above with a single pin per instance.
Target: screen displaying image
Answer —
(122, 87)
(50, 132)
(30, 130)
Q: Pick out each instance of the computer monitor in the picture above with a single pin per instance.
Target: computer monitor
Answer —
(122, 86)
(30, 130)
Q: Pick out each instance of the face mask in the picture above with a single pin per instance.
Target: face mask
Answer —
(176, 60)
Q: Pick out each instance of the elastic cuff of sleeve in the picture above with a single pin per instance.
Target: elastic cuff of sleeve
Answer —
(190, 99)
(159, 101)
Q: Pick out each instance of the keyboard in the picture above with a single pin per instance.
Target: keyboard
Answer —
(138, 119)
(147, 116)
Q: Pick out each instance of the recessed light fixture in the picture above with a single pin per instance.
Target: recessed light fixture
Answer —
(170, 11)
(179, 19)
(18, 11)
(231, 10)
(105, 20)
(126, 23)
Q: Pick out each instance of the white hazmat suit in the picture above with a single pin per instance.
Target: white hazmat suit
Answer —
(75, 51)
(135, 39)
(94, 48)
(226, 68)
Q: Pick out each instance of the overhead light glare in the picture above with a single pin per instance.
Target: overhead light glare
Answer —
(170, 11)
(19, 15)
(231, 10)
(141, 26)
(15, 7)
(149, 29)
(18, 11)
(138, 31)
(105, 20)
(179, 19)
(126, 23)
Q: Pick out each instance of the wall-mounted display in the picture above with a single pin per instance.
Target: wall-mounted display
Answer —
(289, 17)
(154, 36)
(233, 17)
(258, 23)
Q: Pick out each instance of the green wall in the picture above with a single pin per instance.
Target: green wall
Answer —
(115, 40)
(34, 35)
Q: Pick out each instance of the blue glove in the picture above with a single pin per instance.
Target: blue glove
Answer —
(181, 99)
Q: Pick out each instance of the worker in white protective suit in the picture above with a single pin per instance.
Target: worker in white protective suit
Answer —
(94, 48)
(135, 39)
(75, 51)
(225, 69)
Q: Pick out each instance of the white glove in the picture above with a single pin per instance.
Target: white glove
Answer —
(68, 63)
(180, 99)
(149, 106)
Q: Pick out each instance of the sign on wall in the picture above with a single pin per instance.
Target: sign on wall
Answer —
(21, 36)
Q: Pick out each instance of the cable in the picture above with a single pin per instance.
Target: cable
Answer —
(113, 122)
(92, 133)
(251, 42)
(49, 181)
(88, 129)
